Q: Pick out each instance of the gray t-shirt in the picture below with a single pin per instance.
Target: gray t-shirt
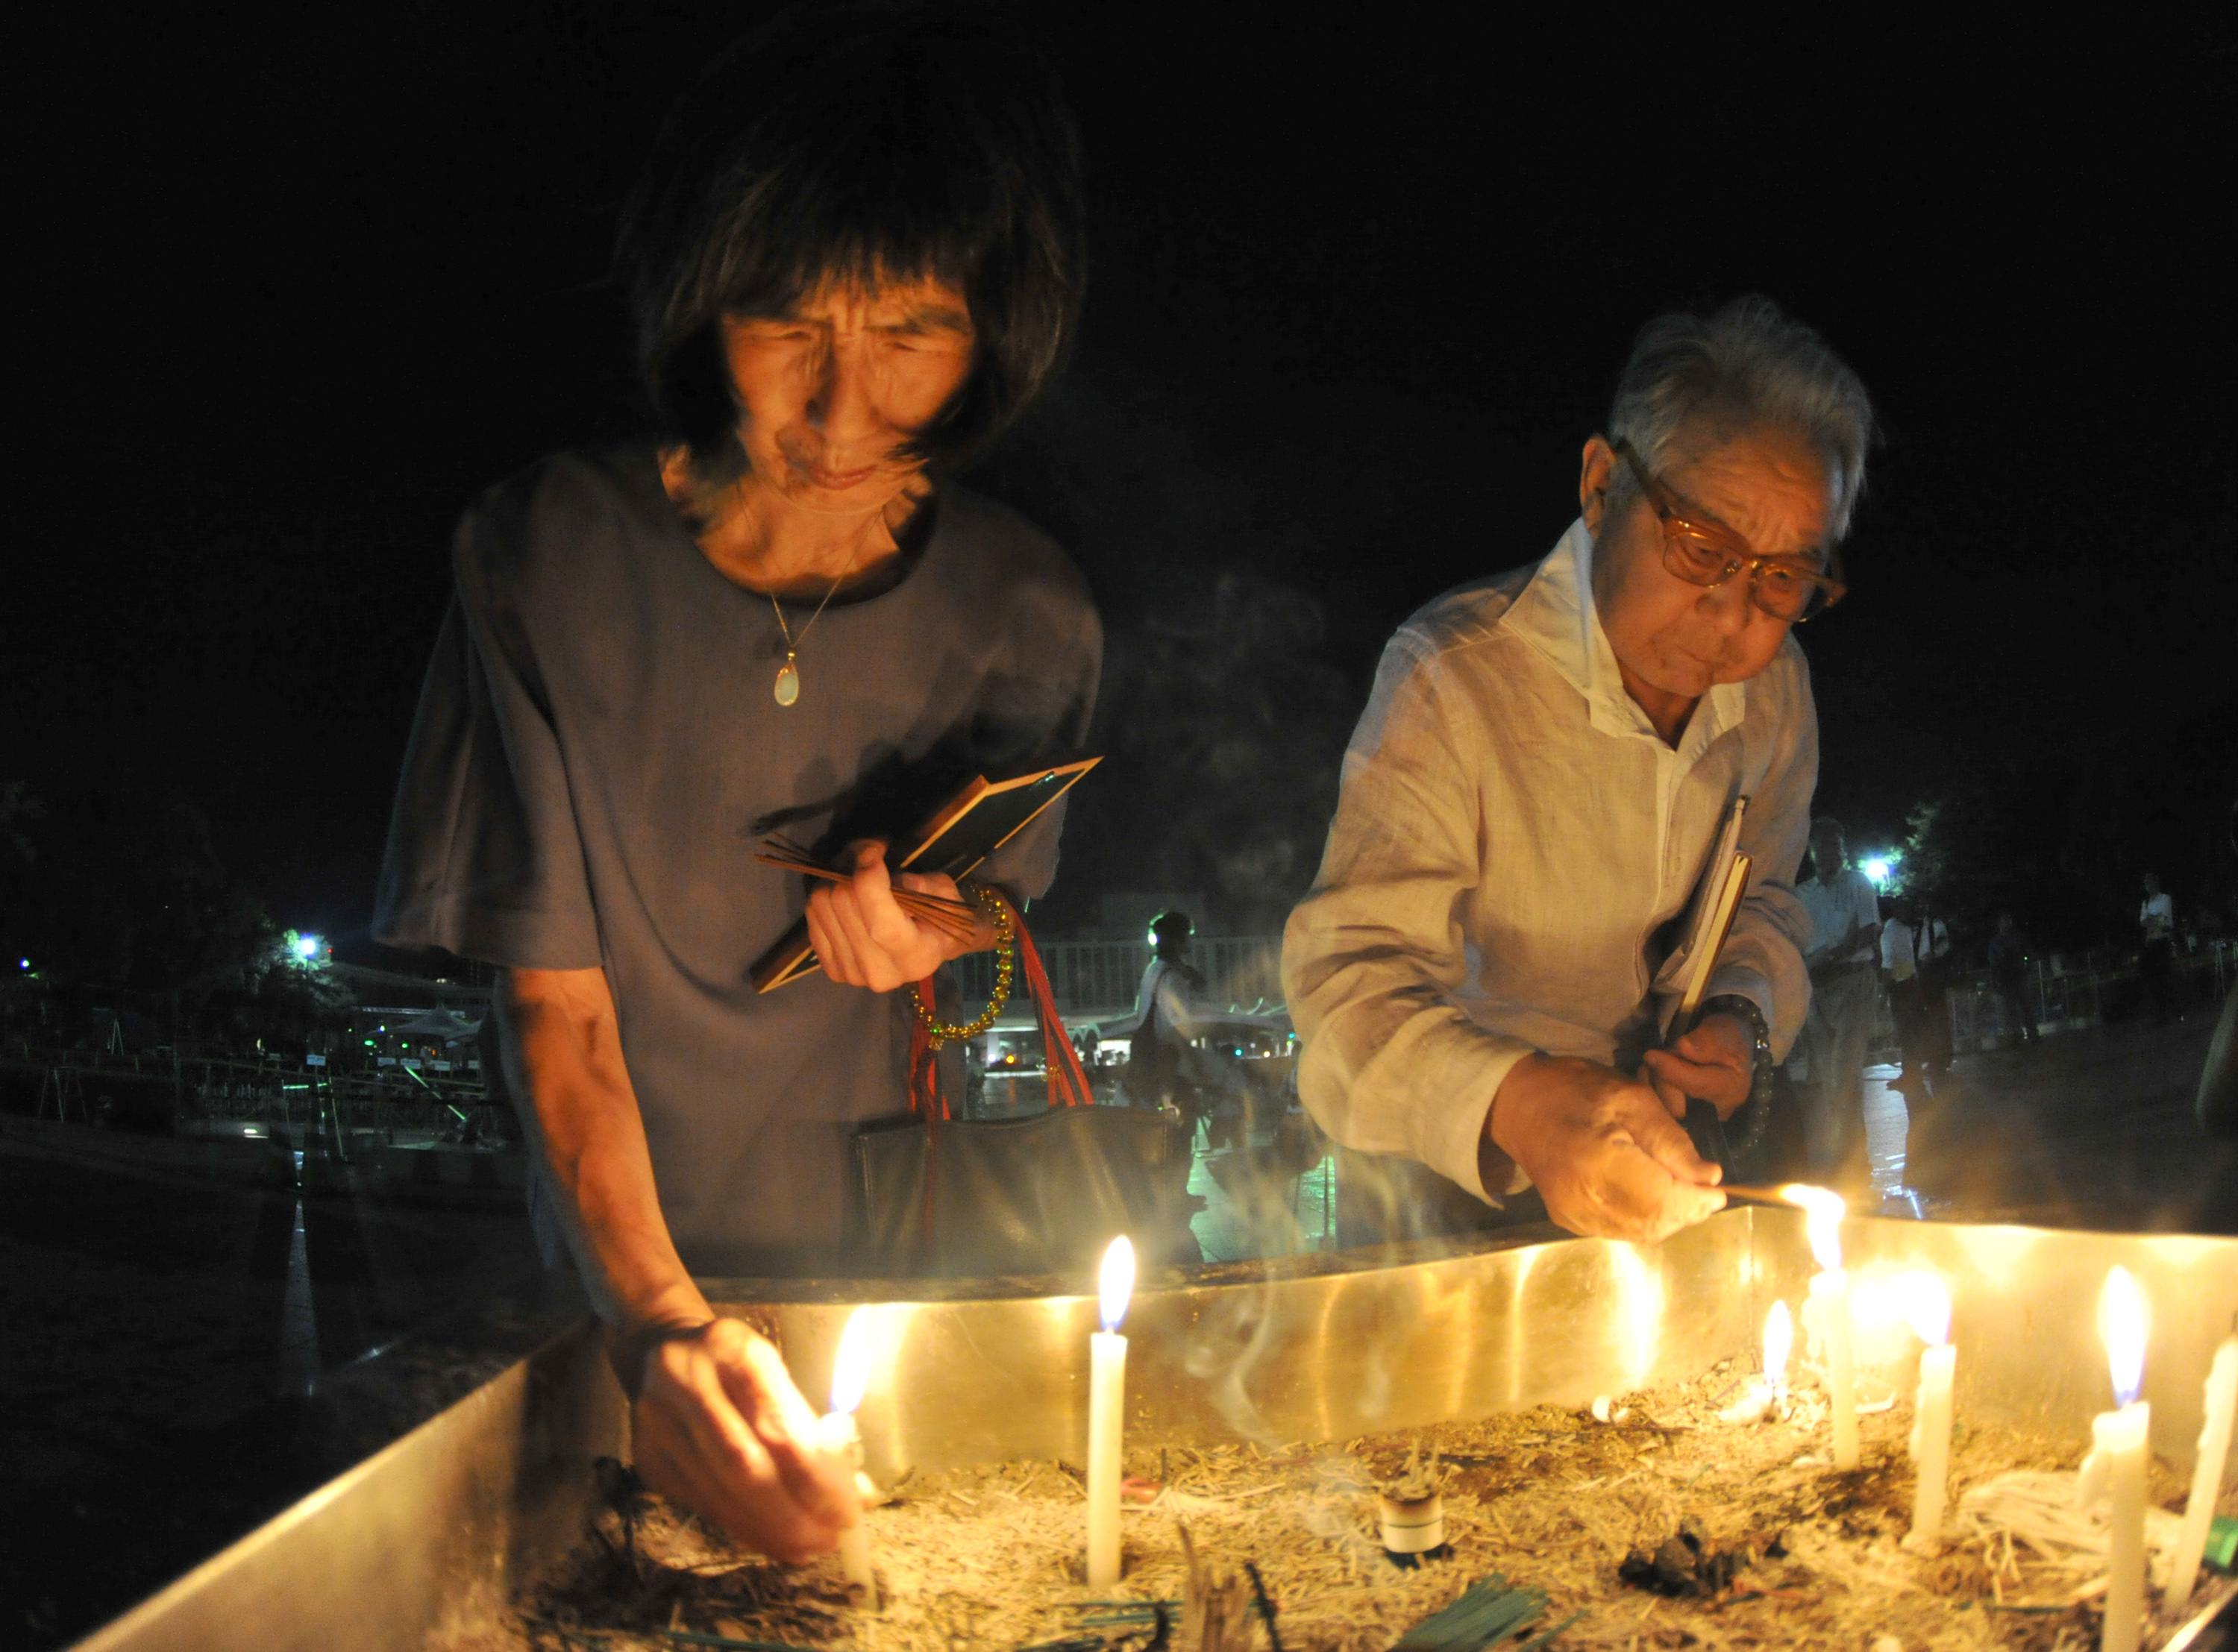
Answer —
(597, 753)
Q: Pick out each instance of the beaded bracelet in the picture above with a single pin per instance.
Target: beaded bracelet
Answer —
(1006, 957)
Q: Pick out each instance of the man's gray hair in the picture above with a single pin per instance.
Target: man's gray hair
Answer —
(1750, 364)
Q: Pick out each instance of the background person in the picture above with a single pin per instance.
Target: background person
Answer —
(2156, 960)
(2009, 978)
(854, 257)
(1843, 955)
(1912, 951)
(1537, 784)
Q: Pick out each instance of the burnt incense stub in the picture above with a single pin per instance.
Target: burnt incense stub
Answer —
(1412, 1526)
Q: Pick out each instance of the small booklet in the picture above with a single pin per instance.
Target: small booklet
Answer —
(1725, 880)
(963, 832)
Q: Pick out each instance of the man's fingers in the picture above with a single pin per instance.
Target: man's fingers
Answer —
(1693, 1078)
(1673, 1098)
(1660, 1138)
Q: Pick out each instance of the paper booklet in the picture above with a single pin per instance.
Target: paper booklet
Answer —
(1725, 880)
(961, 834)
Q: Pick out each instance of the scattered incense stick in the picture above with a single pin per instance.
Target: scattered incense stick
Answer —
(1758, 1194)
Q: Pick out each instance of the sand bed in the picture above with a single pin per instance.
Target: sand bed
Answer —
(1795, 1554)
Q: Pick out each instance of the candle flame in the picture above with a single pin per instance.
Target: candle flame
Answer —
(1778, 1342)
(2123, 1322)
(1925, 1302)
(850, 1371)
(1823, 1211)
(1117, 1283)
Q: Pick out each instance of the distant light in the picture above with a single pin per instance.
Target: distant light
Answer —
(25, 963)
(1151, 936)
(1878, 869)
(307, 946)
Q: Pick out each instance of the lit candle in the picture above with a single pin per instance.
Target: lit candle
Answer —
(1765, 1395)
(2220, 1405)
(2115, 1467)
(1828, 1312)
(851, 1374)
(1927, 1306)
(1107, 1395)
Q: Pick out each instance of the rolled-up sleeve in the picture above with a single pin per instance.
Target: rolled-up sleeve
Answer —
(484, 858)
(1373, 958)
(1763, 957)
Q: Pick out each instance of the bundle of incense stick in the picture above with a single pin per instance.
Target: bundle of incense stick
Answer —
(959, 919)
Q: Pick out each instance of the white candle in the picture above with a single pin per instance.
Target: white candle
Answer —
(1107, 1396)
(1829, 1312)
(2220, 1404)
(851, 1374)
(2115, 1467)
(1927, 1305)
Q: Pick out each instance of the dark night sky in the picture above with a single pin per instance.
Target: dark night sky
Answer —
(1360, 286)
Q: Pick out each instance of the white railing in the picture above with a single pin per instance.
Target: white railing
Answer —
(1096, 980)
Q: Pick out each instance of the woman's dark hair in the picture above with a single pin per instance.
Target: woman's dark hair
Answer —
(861, 142)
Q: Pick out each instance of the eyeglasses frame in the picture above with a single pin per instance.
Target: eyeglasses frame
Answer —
(1671, 513)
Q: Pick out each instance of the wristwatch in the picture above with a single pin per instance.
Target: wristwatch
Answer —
(1754, 1112)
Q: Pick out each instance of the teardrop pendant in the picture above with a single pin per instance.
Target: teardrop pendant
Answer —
(788, 682)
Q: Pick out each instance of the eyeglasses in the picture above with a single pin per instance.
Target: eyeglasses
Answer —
(1703, 551)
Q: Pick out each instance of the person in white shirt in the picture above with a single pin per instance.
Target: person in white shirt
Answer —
(1165, 1025)
(1914, 952)
(1846, 931)
(1481, 969)
(2157, 963)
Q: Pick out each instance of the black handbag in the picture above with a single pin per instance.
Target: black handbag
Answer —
(1040, 1194)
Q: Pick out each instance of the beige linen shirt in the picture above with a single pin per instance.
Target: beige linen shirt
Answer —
(1512, 838)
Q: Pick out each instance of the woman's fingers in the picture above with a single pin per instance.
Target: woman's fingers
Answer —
(834, 949)
(817, 1478)
(696, 1442)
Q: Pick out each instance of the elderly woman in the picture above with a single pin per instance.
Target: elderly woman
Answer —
(856, 256)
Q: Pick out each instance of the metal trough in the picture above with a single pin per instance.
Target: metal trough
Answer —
(434, 1533)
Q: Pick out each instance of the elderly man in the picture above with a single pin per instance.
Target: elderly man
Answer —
(1481, 968)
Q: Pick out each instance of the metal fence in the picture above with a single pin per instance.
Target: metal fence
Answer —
(1097, 979)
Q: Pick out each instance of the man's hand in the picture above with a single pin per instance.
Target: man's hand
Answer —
(1715, 1062)
(1601, 1150)
(862, 938)
(719, 1428)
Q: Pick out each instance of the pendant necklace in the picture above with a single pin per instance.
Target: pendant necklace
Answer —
(787, 689)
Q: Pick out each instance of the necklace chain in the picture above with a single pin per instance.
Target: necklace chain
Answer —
(788, 675)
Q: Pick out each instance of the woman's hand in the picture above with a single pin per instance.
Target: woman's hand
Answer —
(864, 938)
(719, 1428)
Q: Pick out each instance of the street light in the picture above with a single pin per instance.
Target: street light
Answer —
(307, 946)
(1879, 868)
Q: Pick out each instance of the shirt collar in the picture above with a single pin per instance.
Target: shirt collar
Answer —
(1556, 615)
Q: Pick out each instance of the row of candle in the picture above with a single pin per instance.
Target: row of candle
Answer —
(2115, 1466)
(2114, 1471)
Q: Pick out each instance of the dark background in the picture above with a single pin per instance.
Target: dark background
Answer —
(1359, 291)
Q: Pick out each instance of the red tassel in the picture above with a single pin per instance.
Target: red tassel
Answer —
(1067, 1081)
(925, 1097)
